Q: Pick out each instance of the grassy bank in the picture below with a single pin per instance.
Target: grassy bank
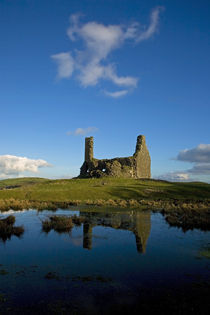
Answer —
(49, 194)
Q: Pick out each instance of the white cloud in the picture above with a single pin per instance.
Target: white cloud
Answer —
(90, 74)
(121, 81)
(200, 159)
(100, 40)
(117, 93)
(90, 64)
(174, 176)
(200, 154)
(65, 64)
(11, 165)
(200, 169)
(93, 72)
(152, 28)
(82, 131)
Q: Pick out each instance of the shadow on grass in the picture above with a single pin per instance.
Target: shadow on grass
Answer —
(122, 192)
(188, 191)
(193, 191)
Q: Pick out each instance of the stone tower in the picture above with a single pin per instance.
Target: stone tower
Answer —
(142, 159)
(136, 166)
(88, 149)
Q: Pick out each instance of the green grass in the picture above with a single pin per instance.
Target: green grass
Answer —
(18, 182)
(37, 189)
(49, 194)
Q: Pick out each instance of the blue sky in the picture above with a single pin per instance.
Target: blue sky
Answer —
(112, 68)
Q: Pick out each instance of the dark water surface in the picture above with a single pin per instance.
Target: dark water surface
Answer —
(120, 261)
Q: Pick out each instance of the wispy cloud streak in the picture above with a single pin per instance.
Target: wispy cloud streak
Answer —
(116, 94)
(82, 131)
(174, 176)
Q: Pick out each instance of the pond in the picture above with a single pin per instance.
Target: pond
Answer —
(120, 261)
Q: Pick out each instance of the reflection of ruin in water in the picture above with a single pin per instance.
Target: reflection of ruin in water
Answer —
(137, 222)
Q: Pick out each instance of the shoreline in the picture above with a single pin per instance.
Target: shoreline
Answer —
(184, 214)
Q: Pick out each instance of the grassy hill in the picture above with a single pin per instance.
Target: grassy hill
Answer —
(186, 205)
(40, 189)
(18, 182)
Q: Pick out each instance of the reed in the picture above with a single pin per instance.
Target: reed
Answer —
(7, 228)
(57, 223)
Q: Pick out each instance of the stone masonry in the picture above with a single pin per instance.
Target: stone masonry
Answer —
(136, 166)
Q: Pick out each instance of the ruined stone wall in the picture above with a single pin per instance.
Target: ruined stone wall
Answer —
(136, 166)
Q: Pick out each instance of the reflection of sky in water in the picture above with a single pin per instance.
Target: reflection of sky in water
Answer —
(134, 251)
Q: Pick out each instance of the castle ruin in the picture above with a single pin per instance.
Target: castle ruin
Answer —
(137, 222)
(136, 166)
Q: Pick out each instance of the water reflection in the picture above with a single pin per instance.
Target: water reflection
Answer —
(137, 222)
(7, 228)
(52, 274)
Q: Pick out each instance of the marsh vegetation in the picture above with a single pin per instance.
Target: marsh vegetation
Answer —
(7, 228)
(61, 223)
(184, 204)
(57, 223)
